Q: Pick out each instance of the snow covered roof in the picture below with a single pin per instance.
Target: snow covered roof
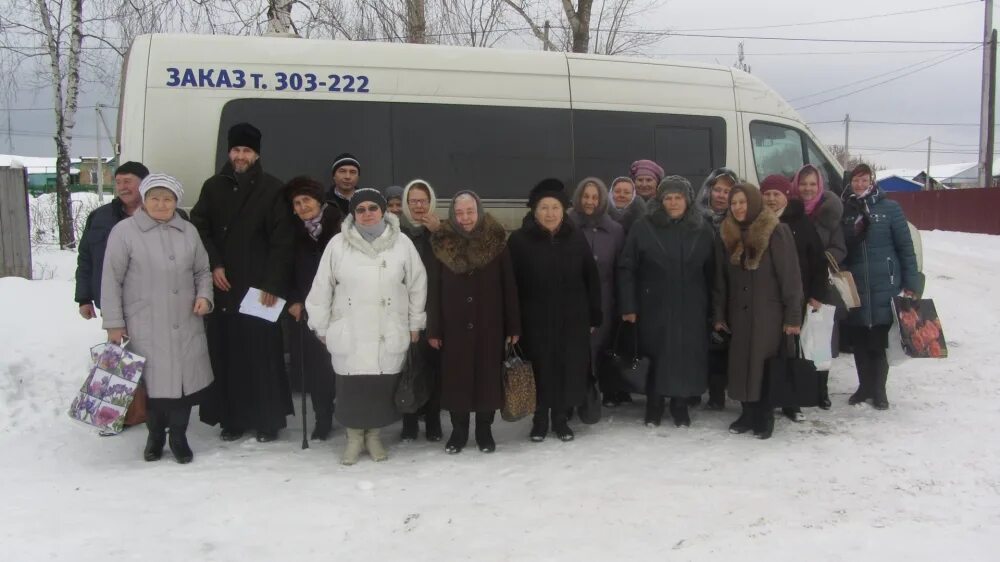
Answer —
(945, 173)
(882, 177)
(35, 164)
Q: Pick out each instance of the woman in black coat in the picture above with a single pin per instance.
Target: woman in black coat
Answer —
(317, 223)
(665, 279)
(560, 296)
(778, 197)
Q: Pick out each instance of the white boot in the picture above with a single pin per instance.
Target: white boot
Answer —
(374, 445)
(355, 444)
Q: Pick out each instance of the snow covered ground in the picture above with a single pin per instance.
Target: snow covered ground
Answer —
(918, 482)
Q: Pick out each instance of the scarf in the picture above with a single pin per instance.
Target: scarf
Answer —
(370, 233)
(811, 206)
(314, 226)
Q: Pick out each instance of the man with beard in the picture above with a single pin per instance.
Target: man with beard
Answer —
(245, 224)
(346, 172)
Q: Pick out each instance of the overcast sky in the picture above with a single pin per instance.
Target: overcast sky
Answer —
(945, 93)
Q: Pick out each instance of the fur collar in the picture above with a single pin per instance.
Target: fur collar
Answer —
(757, 240)
(384, 242)
(463, 254)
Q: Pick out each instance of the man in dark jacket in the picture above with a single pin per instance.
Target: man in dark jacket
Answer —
(346, 171)
(90, 261)
(245, 224)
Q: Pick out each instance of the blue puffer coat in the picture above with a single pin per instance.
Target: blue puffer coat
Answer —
(881, 259)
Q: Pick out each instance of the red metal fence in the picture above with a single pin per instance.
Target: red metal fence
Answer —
(960, 210)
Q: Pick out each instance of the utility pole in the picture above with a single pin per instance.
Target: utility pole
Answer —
(847, 139)
(986, 101)
(547, 27)
(741, 59)
(100, 170)
(927, 172)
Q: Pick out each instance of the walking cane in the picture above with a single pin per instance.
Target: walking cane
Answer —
(302, 370)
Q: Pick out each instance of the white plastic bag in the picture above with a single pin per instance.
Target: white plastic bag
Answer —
(816, 335)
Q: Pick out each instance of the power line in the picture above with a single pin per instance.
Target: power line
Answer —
(907, 123)
(839, 20)
(874, 77)
(813, 53)
(914, 71)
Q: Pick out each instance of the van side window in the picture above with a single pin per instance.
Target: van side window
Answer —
(776, 149)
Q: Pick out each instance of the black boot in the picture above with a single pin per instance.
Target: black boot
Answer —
(654, 410)
(540, 425)
(880, 378)
(863, 366)
(744, 423)
(178, 435)
(324, 425)
(716, 399)
(679, 412)
(156, 424)
(484, 432)
(231, 434)
(432, 425)
(561, 428)
(693, 401)
(410, 428)
(764, 424)
(459, 433)
(794, 414)
(824, 392)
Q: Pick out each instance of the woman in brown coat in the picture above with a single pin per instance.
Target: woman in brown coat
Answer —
(472, 311)
(758, 298)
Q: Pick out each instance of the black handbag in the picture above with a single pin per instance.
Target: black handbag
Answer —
(413, 389)
(619, 371)
(790, 381)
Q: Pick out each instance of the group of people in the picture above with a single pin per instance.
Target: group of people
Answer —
(714, 283)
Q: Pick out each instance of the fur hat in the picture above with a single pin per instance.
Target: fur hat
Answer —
(304, 185)
(244, 134)
(153, 181)
(776, 182)
(367, 194)
(646, 168)
(675, 184)
(345, 159)
(549, 187)
(135, 168)
(755, 203)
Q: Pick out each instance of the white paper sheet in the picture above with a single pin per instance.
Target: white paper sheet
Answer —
(251, 306)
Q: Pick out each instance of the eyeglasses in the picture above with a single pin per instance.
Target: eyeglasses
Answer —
(361, 209)
(419, 202)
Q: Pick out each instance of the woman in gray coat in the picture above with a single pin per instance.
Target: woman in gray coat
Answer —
(155, 288)
(757, 298)
(606, 239)
(665, 278)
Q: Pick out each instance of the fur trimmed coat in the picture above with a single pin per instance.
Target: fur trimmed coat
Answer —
(366, 298)
(560, 294)
(665, 277)
(758, 291)
(472, 307)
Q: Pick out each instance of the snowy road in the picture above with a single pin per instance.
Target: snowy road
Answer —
(918, 482)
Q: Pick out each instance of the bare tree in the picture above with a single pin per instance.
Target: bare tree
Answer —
(849, 161)
(50, 32)
(611, 27)
(474, 23)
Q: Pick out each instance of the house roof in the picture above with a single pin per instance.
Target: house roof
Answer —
(35, 164)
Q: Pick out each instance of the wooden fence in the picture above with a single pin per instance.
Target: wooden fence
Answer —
(15, 244)
(960, 210)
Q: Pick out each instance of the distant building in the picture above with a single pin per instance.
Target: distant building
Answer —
(42, 172)
(896, 183)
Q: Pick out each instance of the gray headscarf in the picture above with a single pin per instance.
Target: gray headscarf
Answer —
(479, 213)
(602, 200)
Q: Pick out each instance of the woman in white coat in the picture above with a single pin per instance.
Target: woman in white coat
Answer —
(155, 288)
(367, 305)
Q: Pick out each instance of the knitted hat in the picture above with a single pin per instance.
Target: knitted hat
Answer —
(244, 134)
(135, 168)
(675, 184)
(549, 187)
(367, 194)
(646, 168)
(755, 203)
(304, 185)
(393, 192)
(345, 159)
(161, 180)
(776, 182)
